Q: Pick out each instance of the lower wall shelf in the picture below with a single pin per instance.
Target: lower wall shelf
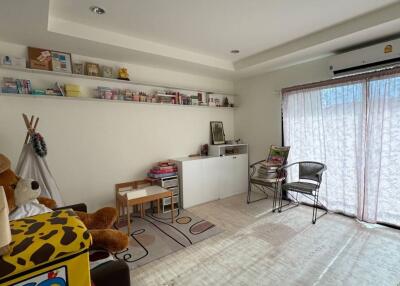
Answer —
(83, 98)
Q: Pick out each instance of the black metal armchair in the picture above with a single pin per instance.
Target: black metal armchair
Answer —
(310, 178)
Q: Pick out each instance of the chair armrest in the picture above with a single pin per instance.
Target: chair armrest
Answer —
(77, 207)
(256, 163)
(111, 273)
(287, 166)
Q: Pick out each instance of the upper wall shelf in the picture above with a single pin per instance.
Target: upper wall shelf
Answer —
(53, 73)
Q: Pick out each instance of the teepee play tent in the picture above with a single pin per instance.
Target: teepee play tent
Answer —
(32, 161)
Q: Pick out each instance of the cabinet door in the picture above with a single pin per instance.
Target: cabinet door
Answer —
(234, 175)
(192, 183)
(200, 181)
(227, 176)
(212, 178)
(241, 171)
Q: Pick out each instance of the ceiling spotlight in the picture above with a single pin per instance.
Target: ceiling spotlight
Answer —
(235, 51)
(97, 10)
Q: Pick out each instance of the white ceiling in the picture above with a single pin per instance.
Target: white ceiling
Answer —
(196, 36)
(214, 27)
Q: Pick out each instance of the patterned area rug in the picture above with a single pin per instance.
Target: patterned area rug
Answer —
(154, 236)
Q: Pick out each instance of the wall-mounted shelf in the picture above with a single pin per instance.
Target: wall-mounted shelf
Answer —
(82, 98)
(53, 73)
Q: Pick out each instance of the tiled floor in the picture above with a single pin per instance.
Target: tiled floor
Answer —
(258, 247)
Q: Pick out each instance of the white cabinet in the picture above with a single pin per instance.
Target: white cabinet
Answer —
(205, 179)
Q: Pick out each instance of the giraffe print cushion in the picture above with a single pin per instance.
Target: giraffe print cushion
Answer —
(43, 238)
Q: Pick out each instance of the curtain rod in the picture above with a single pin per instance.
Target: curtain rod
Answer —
(344, 79)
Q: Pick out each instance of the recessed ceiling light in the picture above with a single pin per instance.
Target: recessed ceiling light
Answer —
(97, 10)
(235, 51)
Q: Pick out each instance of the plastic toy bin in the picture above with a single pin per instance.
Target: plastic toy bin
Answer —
(47, 249)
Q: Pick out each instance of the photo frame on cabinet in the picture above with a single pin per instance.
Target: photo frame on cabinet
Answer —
(61, 62)
(217, 132)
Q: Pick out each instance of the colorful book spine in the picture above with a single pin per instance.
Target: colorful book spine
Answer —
(157, 176)
(166, 171)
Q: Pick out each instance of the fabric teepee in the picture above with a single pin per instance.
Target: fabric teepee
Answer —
(31, 165)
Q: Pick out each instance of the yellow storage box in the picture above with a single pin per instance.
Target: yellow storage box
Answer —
(50, 249)
(72, 90)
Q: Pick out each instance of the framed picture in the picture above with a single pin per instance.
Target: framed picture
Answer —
(6, 60)
(78, 68)
(61, 62)
(217, 132)
(107, 71)
(39, 59)
(92, 69)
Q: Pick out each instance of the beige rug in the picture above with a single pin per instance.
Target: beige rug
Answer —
(154, 236)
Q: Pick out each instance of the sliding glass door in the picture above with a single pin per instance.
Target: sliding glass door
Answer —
(354, 128)
(382, 172)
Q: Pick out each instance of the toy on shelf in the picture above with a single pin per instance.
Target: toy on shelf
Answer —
(123, 74)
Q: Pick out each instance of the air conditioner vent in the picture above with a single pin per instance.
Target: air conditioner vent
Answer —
(378, 56)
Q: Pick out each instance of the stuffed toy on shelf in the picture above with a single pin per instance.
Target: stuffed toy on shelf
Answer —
(23, 200)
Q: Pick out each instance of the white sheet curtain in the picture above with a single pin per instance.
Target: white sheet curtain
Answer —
(354, 129)
(382, 175)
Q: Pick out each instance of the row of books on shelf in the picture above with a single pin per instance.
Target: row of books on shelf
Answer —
(11, 85)
(24, 86)
(163, 169)
(167, 97)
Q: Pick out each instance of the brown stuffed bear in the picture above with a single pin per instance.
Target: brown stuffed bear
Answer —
(98, 223)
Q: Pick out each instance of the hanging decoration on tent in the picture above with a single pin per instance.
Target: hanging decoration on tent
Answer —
(32, 161)
(39, 145)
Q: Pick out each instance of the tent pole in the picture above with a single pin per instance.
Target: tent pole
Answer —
(28, 125)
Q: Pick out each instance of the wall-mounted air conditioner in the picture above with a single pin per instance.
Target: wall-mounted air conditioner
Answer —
(366, 59)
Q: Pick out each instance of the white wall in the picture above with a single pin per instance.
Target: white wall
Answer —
(258, 120)
(95, 144)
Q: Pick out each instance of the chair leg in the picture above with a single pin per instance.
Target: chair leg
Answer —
(274, 199)
(248, 193)
(280, 200)
(315, 209)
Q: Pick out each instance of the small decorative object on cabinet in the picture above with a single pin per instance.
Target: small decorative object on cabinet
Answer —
(92, 69)
(217, 132)
(39, 59)
(204, 150)
(123, 74)
(61, 62)
(78, 68)
(107, 71)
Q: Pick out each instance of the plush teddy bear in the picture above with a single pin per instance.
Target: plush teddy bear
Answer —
(23, 198)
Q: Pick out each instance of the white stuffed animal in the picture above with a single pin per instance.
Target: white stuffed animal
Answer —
(26, 193)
